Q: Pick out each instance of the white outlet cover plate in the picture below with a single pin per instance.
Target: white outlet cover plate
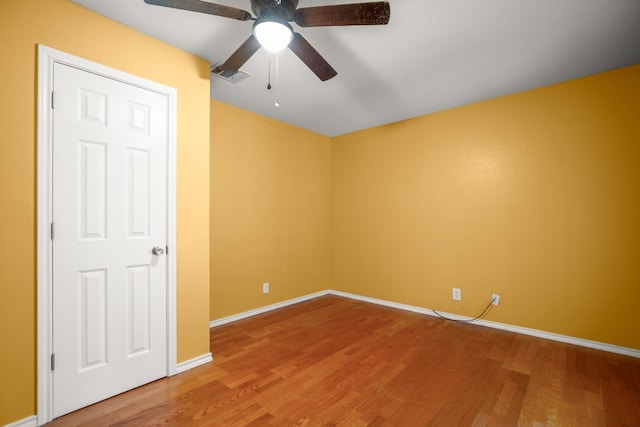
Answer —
(495, 299)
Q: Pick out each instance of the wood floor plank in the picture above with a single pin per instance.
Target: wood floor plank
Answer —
(333, 361)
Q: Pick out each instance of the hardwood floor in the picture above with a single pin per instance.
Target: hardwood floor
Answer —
(338, 362)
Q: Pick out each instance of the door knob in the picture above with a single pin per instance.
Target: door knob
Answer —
(158, 250)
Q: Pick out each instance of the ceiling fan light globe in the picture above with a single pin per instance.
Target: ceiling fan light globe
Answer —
(273, 35)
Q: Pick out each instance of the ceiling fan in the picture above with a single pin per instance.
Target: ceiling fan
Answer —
(272, 30)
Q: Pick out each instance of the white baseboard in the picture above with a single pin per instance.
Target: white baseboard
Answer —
(254, 312)
(496, 325)
(503, 326)
(193, 363)
(31, 421)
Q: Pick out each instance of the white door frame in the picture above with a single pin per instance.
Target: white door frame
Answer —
(46, 58)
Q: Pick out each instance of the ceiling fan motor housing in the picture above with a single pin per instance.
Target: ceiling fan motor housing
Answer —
(283, 9)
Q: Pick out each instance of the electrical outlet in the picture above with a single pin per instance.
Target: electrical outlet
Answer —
(495, 299)
(265, 288)
(456, 294)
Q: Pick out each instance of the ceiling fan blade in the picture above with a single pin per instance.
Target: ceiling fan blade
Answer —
(204, 7)
(238, 58)
(303, 50)
(373, 13)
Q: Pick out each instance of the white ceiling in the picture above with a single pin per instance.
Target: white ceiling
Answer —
(433, 55)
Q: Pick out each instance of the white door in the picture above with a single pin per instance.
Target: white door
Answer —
(109, 189)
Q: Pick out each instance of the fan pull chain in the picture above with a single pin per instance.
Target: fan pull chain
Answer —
(277, 103)
(269, 73)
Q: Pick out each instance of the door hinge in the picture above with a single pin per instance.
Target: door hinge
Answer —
(53, 362)
(53, 104)
(53, 230)
(166, 250)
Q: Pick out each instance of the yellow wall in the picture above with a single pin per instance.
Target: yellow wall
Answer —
(62, 25)
(270, 211)
(534, 196)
